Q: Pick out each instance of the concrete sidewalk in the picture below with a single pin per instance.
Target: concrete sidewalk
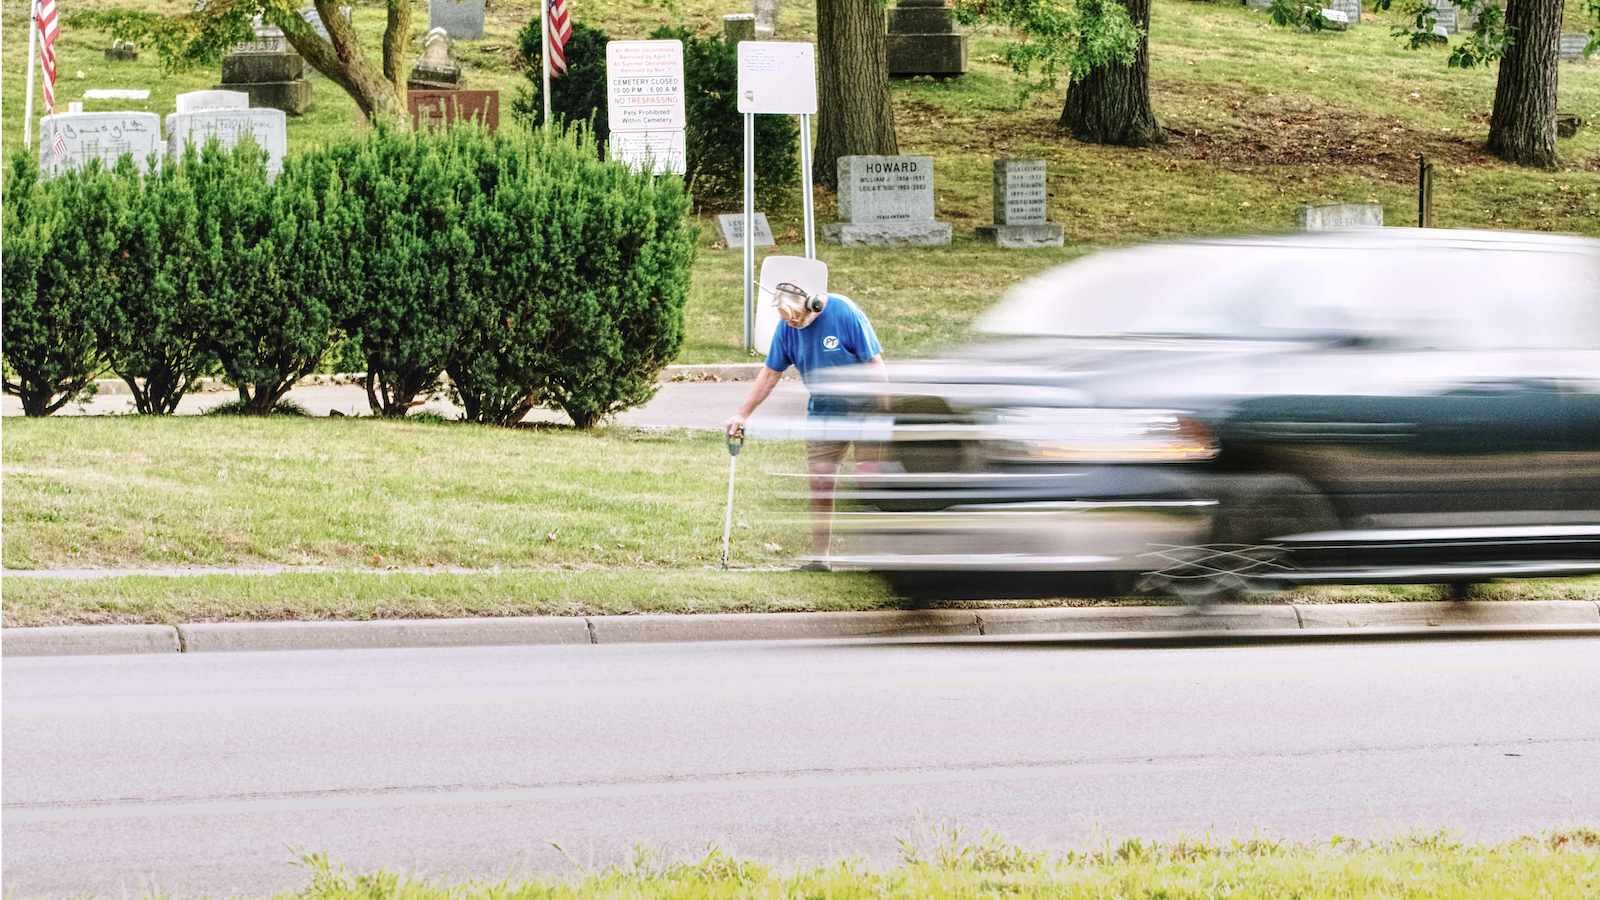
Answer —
(694, 400)
(1091, 624)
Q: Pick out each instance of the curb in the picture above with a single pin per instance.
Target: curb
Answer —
(1145, 623)
(706, 372)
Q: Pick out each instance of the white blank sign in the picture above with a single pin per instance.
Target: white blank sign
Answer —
(777, 77)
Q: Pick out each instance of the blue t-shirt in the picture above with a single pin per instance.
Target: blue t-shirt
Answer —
(839, 336)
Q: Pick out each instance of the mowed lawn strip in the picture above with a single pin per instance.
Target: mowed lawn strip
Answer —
(357, 493)
(361, 596)
(1564, 864)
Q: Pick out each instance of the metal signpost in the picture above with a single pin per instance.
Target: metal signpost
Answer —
(645, 104)
(775, 78)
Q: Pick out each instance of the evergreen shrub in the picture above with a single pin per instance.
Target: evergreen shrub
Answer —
(59, 238)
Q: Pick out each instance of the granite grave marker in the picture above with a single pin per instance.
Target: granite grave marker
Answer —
(732, 227)
(1335, 216)
(886, 201)
(463, 19)
(229, 126)
(1020, 206)
(69, 140)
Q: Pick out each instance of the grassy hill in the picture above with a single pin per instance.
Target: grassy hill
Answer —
(1261, 118)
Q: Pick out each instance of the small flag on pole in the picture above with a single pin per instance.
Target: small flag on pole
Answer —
(560, 33)
(49, 29)
(58, 146)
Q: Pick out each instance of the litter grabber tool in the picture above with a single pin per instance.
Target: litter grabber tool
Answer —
(735, 444)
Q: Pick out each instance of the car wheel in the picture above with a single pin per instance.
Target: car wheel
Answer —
(1245, 553)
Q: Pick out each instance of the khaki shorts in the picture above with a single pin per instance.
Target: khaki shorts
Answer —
(829, 453)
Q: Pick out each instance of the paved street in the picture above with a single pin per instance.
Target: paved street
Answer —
(677, 405)
(201, 772)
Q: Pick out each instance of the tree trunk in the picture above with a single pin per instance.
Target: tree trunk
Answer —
(854, 114)
(1522, 129)
(380, 94)
(1111, 105)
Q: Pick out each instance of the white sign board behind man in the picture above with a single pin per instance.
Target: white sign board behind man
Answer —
(777, 78)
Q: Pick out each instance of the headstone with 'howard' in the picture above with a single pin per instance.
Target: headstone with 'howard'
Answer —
(886, 201)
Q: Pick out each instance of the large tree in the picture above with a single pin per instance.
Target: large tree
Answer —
(1523, 36)
(1103, 48)
(1110, 103)
(202, 36)
(854, 114)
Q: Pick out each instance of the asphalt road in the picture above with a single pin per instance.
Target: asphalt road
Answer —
(200, 773)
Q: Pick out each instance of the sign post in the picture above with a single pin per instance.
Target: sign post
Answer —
(775, 78)
(645, 104)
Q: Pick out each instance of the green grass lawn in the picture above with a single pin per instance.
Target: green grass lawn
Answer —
(1263, 119)
(128, 491)
(1565, 864)
(424, 520)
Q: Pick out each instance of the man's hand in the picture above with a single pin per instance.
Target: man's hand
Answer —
(734, 427)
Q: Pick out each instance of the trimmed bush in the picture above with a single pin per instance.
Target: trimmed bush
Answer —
(404, 224)
(59, 239)
(577, 96)
(272, 256)
(573, 296)
(714, 142)
(154, 332)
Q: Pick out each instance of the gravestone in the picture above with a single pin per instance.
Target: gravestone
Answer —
(732, 227)
(766, 13)
(1452, 19)
(1572, 46)
(1336, 216)
(269, 72)
(1350, 8)
(463, 19)
(229, 126)
(1258, 4)
(1020, 207)
(122, 51)
(195, 101)
(738, 27)
(1336, 20)
(120, 94)
(437, 70)
(69, 140)
(314, 19)
(886, 201)
(923, 40)
(429, 108)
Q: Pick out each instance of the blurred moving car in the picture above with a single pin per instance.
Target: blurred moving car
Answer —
(1220, 416)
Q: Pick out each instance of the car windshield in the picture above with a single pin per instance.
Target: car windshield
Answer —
(1413, 295)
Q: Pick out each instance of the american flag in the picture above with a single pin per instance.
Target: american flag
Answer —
(560, 33)
(49, 29)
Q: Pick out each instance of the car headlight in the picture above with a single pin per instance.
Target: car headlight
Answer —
(1078, 435)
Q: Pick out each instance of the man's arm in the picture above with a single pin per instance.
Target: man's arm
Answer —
(759, 391)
